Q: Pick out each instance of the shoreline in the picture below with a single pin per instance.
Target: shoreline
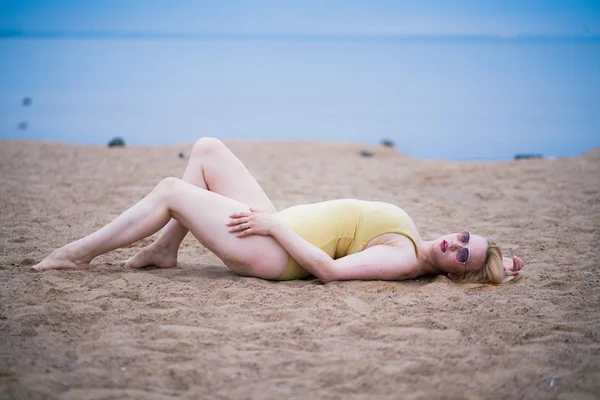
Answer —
(282, 142)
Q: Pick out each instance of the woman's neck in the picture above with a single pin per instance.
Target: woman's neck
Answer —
(426, 261)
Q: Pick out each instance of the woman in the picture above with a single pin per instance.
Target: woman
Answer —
(219, 202)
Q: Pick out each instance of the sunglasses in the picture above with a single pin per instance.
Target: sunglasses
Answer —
(463, 255)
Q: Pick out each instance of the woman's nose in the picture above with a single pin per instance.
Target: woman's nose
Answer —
(457, 245)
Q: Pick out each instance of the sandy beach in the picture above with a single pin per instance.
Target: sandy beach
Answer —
(199, 331)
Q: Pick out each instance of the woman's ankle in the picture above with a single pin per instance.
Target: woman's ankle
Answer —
(76, 252)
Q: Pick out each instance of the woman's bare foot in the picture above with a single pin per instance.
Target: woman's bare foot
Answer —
(156, 256)
(60, 259)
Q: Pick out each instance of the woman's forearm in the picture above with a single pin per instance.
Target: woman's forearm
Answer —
(310, 257)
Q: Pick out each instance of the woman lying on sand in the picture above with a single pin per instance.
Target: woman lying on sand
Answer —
(219, 202)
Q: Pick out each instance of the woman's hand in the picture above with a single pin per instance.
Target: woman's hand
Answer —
(253, 222)
(512, 266)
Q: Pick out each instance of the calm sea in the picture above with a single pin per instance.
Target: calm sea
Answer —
(435, 98)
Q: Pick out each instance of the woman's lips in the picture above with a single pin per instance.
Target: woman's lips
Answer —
(443, 246)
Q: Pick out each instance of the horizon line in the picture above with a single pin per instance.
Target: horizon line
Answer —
(196, 36)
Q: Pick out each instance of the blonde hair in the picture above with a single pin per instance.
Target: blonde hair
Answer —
(492, 271)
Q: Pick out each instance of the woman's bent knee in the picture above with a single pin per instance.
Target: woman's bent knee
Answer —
(168, 184)
(206, 146)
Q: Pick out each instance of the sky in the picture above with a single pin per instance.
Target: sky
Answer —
(307, 17)
(508, 76)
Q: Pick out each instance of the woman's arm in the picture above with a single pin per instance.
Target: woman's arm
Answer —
(377, 262)
(382, 262)
(310, 257)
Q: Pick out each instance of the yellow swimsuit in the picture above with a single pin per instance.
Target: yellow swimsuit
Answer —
(342, 227)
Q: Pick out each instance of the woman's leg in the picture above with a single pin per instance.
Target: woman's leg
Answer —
(204, 213)
(212, 166)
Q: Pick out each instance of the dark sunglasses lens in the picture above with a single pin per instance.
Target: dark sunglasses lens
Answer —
(464, 237)
(462, 256)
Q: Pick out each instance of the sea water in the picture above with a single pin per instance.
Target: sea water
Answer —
(461, 98)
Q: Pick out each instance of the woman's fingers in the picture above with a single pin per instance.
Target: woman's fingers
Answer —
(516, 266)
(240, 227)
(246, 232)
(237, 221)
(240, 214)
(255, 222)
(517, 263)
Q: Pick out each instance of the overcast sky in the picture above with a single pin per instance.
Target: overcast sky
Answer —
(307, 17)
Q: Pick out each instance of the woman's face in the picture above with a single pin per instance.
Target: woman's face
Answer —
(459, 252)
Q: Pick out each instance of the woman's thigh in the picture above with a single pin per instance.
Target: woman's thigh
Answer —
(225, 174)
(206, 215)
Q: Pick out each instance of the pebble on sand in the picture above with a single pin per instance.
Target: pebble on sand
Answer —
(116, 142)
(528, 156)
(387, 143)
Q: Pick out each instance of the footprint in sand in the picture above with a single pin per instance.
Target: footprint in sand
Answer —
(27, 262)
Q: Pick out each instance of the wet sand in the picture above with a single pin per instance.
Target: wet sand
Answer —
(198, 331)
